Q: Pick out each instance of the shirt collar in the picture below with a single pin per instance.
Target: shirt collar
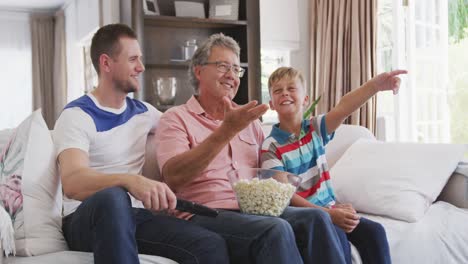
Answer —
(194, 106)
(282, 136)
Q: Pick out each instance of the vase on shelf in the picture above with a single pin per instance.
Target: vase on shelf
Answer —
(189, 49)
(165, 89)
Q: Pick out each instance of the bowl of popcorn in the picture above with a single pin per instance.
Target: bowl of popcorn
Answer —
(263, 191)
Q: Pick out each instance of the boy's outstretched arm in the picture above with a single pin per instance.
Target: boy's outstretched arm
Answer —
(353, 100)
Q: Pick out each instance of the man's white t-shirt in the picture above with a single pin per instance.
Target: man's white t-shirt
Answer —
(114, 139)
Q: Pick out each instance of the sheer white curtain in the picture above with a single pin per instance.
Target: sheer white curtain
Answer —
(15, 68)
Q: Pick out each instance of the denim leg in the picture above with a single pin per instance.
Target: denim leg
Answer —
(342, 236)
(253, 239)
(315, 233)
(179, 240)
(370, 239)
(105, 225)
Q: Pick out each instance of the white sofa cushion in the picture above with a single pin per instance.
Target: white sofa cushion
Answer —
(344, 137)
(398, 180)
(75, 257)
(31, 189)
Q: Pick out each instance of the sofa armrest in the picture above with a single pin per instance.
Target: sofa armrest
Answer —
(456, 189)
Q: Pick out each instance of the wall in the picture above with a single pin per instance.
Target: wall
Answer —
(82, 19)
(75, 73)
(15, 71)
(300, 58)
(278, 27)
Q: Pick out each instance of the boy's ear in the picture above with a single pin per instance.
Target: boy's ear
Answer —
(306, 100)
(271, 105)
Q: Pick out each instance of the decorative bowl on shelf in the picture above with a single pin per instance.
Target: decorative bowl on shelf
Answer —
(263, 191)
(165, 89)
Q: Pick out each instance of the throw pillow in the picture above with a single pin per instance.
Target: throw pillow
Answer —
(397, 180)
(30, 189)
(5, 136)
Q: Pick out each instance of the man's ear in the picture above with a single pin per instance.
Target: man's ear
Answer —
(105, 63)
(197, 72)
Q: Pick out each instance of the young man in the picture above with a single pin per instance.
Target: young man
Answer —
(298, 146)
(100, 140)
(200, 141)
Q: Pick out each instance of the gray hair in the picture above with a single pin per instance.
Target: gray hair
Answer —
(203, 53)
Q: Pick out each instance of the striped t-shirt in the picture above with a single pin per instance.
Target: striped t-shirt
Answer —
(303, 156)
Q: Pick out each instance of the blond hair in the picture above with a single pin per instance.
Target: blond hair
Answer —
(282, 73)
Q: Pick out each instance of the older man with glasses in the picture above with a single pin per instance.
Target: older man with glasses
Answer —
(200, 141)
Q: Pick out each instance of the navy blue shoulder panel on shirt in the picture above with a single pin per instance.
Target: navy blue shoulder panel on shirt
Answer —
(104, 120)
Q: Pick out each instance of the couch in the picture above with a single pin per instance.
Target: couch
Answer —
(438, 236)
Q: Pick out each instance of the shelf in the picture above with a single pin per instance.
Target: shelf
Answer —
(164, 34)
(183, 22)
(182, 64)
(168, 65)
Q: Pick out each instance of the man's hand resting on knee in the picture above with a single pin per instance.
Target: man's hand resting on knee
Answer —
(155, 195)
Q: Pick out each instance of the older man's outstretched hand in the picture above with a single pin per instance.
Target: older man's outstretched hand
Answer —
(236, 118)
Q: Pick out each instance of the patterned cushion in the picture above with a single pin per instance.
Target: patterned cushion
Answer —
(30, 189)
(11, 171)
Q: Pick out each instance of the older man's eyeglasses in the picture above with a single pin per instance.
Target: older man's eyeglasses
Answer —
(224, 67)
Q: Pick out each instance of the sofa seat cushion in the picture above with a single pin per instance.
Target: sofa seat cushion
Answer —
(440, 236)
(75, 257)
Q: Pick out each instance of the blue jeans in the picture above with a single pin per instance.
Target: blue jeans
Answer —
(299, 235)
(370, 240)
(107, 225)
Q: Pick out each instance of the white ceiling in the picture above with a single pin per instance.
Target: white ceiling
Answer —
(32, 4)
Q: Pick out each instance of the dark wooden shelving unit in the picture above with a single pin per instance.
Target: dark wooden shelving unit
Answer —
(179, 64)
(184, 22)
(162, 37)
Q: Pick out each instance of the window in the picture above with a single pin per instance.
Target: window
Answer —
(385, 62)
(271, 59)
(428, 53)
(457, 70)
(415, 36)
(90, 74)
(16, 69)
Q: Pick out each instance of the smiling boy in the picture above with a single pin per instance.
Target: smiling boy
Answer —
(298, 146)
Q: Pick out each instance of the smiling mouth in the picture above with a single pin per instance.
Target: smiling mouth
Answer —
(227, 85)
(287, 103)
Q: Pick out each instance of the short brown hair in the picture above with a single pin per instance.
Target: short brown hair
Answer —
(106, 41)
(284, 72)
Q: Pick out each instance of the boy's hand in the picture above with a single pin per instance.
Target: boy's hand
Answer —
(387, 81)
(236, 118)
(344, 218)
(346, 206)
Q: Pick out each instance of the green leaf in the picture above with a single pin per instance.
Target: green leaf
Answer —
(309, 111)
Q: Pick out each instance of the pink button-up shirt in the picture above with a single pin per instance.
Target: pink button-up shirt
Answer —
(184, 127)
